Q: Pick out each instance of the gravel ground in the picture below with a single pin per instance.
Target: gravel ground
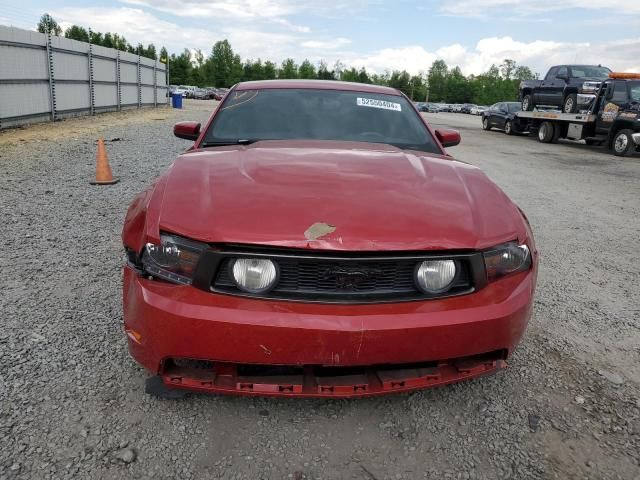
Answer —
(72, 400)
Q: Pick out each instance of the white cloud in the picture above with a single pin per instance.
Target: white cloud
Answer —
(523, 8)
(621, 55)
(411, 58)
(326, 44)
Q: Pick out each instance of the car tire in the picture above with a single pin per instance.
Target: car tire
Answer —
(485, 123)
(508, 128)
(527, 103)
(546, 132)
(622, 144)
(570, 104)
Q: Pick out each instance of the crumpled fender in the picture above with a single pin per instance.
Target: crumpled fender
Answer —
(141, 224)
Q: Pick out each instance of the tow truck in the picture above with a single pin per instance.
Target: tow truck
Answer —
(612, 118)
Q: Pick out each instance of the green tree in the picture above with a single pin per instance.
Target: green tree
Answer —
(349, 75)
(270, 71)
(457, 87)
(95, 37)
(236, 70)
(288, 69)
(437, 80)
(508, 68)
(76, 32)
(524, 73)
(307, 70)
(181, 68)
(401, 80)
(107, 40)
(48, 24)
(221, 64)
(324, 73)
(363, 76)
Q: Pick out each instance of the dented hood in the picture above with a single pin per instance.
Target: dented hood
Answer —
(334, 195)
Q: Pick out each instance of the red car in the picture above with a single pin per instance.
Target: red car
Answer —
(317, 240)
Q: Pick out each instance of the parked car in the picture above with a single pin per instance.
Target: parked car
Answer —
(456, 108)
(201, 94)
(182, 90)
(329, 263)
(432, 108)
(466, 108)
(501, 115)
(421, 106)
(568, 87)
(478, 110)
(445, 107)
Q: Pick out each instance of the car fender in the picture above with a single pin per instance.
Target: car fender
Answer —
(141, 224)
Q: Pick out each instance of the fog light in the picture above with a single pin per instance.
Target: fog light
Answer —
(254, 275)
(435, 276)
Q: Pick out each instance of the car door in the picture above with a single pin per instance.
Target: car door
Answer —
(501, 115)
(541, 95)
(615, 96)
(556, 90)
(492, 115)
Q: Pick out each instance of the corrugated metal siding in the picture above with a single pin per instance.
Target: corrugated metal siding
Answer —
(129, 95)
(21, 99)
(23, 63)
(26, 89)
(105, 70)
(106, 96)
(72, 96)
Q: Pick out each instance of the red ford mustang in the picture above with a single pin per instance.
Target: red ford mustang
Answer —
(317, 240)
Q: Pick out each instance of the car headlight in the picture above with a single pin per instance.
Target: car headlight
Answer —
(435, 276)
(506, 259)
(174, 260)
(254, 275)
(590, 86)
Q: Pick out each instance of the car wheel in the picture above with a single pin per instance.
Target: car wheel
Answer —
(546, 132)
(570, 104)
(527, 103)
(485, 124)
(508, 128)
(623, 143)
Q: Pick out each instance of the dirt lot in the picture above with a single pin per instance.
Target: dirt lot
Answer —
(72, 401)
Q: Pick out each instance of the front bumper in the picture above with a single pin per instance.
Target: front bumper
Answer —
(379, 348)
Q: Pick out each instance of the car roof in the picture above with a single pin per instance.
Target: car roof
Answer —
(317, 84)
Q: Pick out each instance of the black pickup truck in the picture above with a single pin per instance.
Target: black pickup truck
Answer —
(568, 87)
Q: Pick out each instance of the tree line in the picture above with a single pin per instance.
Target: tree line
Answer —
(223, 67)
(108, 39)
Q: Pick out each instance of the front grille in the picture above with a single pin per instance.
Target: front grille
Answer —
(321, 278)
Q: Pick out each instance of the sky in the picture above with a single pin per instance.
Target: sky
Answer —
(376, 34)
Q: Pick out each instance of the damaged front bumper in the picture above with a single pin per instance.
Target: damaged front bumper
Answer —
(201, 341)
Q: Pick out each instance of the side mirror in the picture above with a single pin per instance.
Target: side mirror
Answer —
(448, 138)
(563, 77)
(187, 130)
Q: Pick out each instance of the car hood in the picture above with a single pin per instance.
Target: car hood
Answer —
(334, 195)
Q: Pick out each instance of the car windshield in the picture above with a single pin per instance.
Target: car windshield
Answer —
(586, 71)
(514, 106)
(311, 114)
(634, 91)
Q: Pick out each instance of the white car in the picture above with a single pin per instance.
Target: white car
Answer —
(478, 110)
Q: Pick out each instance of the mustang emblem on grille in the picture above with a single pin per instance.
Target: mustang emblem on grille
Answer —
(350, 278)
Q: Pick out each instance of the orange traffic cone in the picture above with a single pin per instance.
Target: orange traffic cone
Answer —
(103, 170)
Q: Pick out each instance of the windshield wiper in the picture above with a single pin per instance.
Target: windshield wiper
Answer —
(222, 143)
